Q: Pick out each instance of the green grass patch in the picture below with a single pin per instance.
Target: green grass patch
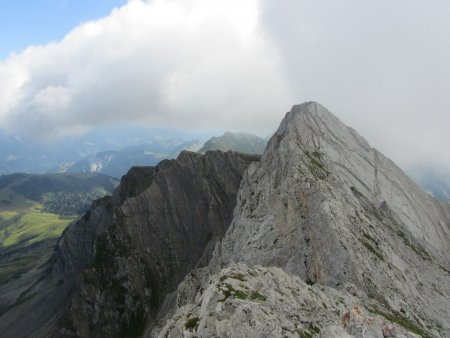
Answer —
(415, 247)
(317, 168)
(370, 238)
(317, 154)
(8, 215)
(237, 276)
(228, 291)
(27, 238)
(312, 330)
(402, 321)
(192, 324)
(356, 192)
(304, 334)
(317, 163)
(254, 295)
(239, 294)
(373, 250)
(372, 244)
(18, 260)
(32, 226)
(444, 269)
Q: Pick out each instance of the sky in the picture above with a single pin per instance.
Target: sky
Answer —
(24, 23)
(382, 67)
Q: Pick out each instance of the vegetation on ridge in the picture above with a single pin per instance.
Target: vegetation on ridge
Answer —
(35, 210)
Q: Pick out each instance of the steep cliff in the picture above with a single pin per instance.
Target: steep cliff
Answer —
(325, 206)
(113, 268)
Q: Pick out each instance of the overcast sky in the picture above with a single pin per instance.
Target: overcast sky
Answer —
(380, 66)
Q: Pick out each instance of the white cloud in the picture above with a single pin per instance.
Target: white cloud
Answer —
(381, 66)
(190, 63)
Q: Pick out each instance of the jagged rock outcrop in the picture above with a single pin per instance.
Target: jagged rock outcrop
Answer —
(323, 205)
(267, 302)
(113, 268)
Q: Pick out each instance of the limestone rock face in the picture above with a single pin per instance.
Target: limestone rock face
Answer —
(156, 237)
(325, 206)
(267, 302)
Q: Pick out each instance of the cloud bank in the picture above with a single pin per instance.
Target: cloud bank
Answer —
(381, 66)
(189, 64)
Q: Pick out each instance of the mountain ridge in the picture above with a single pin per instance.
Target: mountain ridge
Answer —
(186, 203)
(308, 207)
(208, 245)
(235, 141)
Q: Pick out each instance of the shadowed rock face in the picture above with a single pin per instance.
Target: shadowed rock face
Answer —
(113, 268)
(155, 239)
(323, 205)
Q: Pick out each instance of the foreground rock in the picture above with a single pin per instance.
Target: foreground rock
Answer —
(266, 302)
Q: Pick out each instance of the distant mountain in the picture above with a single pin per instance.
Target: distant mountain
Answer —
(116, 163)
(21, 154)
(36, 186)
(193, 146)
(35, 209)
(240, 142)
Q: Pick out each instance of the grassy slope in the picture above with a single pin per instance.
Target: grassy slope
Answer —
(29, 232)
(30, 226)
(28, 236)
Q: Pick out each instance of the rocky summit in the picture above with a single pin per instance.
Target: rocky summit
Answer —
(322, 236)
(326, 207)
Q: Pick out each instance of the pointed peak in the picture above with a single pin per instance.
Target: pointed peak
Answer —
(312, 126)
(307, 107)
(311, 114)
(313, 109)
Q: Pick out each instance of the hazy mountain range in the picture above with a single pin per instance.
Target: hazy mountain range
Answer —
(19, 154)
(240, 142)
(112, 151)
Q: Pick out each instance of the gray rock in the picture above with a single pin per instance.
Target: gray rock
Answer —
(267, 302)
(334, 331)
(323, 205)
